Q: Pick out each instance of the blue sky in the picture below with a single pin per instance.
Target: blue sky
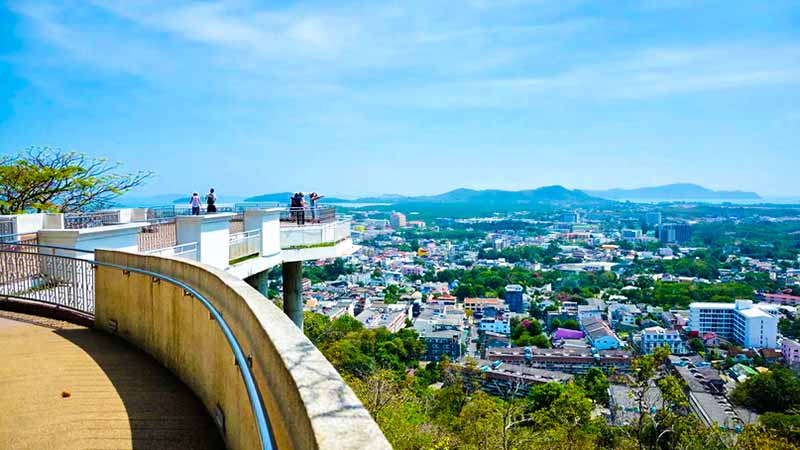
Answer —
(353, 98)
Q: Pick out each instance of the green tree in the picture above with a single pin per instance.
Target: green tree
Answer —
(775, 391)
(595, 383)
(572, 324)
(43, 179)
(697, 345)
(540, 341)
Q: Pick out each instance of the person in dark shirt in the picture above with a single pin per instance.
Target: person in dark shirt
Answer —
(299, 208)
(211, 200)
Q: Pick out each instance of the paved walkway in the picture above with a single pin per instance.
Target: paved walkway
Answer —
(120, 398)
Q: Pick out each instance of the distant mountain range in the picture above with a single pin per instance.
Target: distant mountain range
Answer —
(557, 196)
(672, 192)
(494, 197)
(284, 197)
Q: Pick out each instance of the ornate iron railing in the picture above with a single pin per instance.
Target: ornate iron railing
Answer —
(25, 238)
(6, 226)
(159, 234)
(90, 219)
(43, 275)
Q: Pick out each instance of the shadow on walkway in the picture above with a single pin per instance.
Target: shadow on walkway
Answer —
(163, 413)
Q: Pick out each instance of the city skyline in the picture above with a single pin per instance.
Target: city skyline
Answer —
(485, 95)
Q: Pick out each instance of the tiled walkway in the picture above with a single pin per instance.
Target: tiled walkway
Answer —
(119, 397)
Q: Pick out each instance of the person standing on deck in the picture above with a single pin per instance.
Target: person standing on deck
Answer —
(211, 200)
(299, 207)
(314, 197)
(195, 202)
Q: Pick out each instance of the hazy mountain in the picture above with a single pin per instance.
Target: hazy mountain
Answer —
(542, 195)
(284, 197)
(678, 191)
(547, 194)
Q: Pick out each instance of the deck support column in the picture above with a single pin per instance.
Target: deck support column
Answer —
(293, 291)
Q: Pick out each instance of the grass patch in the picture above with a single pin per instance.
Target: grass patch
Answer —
(320, 245)
(242, 259)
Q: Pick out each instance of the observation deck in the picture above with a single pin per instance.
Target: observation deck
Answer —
(221, 356)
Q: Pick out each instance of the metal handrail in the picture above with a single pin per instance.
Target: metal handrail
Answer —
(262, 423)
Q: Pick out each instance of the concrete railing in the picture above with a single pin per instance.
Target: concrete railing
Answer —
(311, 236)
(307, 402)
(188, 251)
(244, 244)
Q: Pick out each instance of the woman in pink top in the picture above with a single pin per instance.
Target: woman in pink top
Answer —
(195, 202)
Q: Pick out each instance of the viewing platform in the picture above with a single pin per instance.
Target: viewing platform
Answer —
(182, 290)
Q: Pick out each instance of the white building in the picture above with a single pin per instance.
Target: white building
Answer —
(748, 324)
(500, 324)
(655, 337)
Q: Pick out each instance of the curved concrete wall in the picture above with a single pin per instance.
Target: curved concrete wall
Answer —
(308, 403)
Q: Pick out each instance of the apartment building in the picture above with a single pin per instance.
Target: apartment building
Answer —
(790, 352)
(655, 337)
(479, 305)
(748, 324)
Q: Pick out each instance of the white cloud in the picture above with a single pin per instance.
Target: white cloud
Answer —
(420, 54)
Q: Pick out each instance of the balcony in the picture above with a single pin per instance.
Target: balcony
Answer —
(316, 241)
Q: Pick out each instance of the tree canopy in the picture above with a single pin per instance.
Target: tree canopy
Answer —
(48, 180)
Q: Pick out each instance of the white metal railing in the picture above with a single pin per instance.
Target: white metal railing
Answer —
(245, 244)
(187, 251)
(310, 236)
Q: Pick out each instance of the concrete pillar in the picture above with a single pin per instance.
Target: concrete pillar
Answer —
(53, 221)
(293, 291)
(212, 234)
(260, 282)
(267, 221)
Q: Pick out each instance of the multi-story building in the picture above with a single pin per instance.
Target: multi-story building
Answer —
(499, 323)
(790, 351)
(655, 337)
(514, 295)
(398, 220)
(781, 299)
(652, 219)
(571, 217)
(479, 305)
(631, 235)
(442, 328)
(568, 360)
(510, 380)
(748, 324)
(392, 317)
(673, 233)
(600, 334)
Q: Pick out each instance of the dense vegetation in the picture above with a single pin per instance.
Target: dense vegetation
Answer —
(326, 272)
(775, 395)
(753, 238)
(437, 407)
